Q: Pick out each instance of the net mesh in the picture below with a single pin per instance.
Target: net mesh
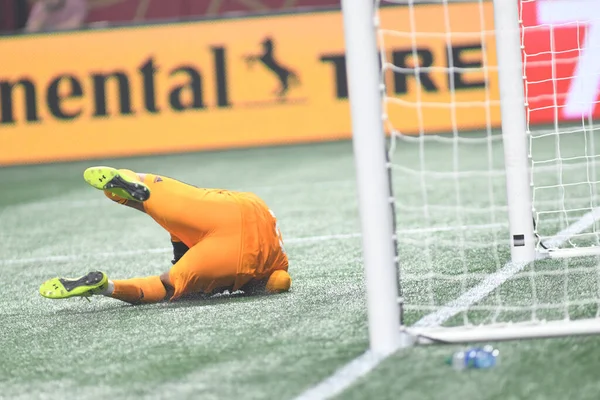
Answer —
(442, 114)
(556, 56)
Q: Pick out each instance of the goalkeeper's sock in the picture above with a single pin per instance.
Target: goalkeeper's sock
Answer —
(108, 290)
(139, 290)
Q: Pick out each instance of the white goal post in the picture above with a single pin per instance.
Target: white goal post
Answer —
(372, 176)
(467, 218)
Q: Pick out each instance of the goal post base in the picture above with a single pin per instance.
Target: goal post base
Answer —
(571, 252)
(503, 332)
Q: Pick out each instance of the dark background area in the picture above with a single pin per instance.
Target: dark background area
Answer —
(13, 13)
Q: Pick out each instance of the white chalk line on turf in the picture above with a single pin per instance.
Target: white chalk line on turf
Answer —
(336, 383)
(347, 375)
(82, 256)
(291, 241)
(86, 200)
(489, 284)
(74, 257)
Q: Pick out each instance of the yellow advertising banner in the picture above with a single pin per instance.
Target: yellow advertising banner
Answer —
(232, 83)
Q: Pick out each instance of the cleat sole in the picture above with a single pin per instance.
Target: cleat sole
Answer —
(93, 278)
(109, 179)
(62, 288)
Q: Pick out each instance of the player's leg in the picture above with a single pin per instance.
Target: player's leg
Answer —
(185, 211)
(206, 267)
(135, 291)
(118, 185)
(92, 283)
(188, 212)
(210, 265)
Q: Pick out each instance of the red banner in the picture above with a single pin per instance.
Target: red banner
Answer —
(562, 59)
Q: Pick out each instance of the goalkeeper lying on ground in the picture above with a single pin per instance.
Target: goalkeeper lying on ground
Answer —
(221, 240)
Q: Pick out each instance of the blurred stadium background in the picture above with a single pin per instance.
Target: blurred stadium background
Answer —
(252, 95)
(116, 12)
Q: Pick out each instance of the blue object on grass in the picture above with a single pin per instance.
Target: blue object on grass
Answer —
(475, 358)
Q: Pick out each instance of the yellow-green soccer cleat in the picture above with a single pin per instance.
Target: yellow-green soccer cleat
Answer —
(116, 182)
(88, 285)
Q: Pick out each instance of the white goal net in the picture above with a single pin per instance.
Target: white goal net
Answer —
(442, 113)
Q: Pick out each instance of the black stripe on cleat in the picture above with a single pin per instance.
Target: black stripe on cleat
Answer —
(93, 278)
(135, 190)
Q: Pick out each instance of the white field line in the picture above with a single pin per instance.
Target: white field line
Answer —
(291, 241)
(86, 201)
(74, 257)
(67, 203)
(337, 382)
(581, 225)
(359, 367)
(587, 220)
(29, 231)
(362, 365)
(477, 293)
(83, 256)
(321, 238)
